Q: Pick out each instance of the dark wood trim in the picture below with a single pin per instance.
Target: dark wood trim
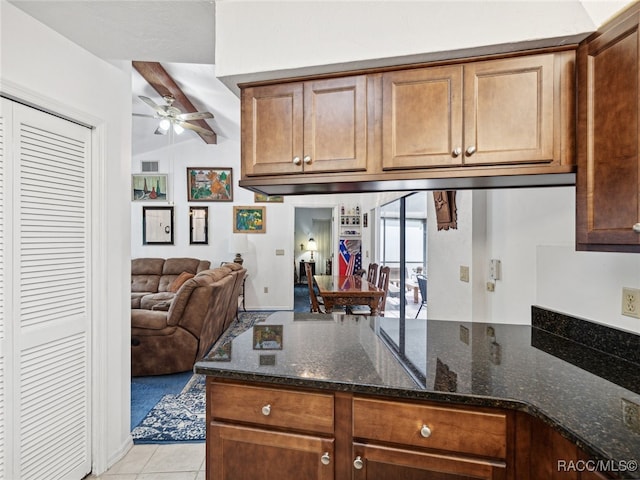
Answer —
(162, 83)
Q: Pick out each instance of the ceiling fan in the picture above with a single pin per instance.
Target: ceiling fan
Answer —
(172, 117)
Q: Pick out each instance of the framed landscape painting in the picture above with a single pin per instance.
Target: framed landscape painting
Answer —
(209, 184)
(263, 198)
(249, 220)
(149, 187)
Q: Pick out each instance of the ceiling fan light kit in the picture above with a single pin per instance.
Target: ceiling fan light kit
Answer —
(162, 83)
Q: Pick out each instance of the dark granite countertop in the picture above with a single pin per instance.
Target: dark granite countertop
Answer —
(574, 388)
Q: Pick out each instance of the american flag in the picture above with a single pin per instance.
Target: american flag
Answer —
(350, 257)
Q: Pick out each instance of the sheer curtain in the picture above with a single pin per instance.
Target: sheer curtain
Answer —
(322, 235)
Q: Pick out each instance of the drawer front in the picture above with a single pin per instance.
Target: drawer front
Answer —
(271, 407)
(455, 430)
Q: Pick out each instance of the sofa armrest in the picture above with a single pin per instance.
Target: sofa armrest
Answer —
(162, 306)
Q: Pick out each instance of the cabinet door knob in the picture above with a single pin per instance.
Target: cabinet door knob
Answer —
(266, 410)
(636, 228)
(456, 152)
(325, 459)
(307, 159)
(358, 463)
(425, 431)
(471, 150)
(296, 161)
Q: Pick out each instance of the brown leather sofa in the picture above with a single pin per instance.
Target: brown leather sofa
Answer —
(152, 278)
(172, 341)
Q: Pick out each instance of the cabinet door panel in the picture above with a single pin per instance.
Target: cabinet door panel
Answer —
(385, 463)
(509, 106)
(608, 182)
(272, 129)
(422, 117)
(237, 452)
(335, 125)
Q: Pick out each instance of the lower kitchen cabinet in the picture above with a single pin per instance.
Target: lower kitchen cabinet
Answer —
(235, 452)
(376, 462)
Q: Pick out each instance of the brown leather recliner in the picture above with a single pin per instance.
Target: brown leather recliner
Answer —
(172, 341)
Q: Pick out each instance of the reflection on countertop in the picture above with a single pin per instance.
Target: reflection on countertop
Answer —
(572, 387)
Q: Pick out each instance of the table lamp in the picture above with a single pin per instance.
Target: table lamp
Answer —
(240, 246)
(312, 247)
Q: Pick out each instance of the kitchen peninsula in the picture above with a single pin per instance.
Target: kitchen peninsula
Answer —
(334, 396)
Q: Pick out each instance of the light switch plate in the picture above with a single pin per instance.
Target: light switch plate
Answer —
(464, 273)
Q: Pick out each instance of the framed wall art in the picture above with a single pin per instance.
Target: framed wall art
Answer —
(199, 225)
(263, 198)
(149, 187)
(209, 184)
(249, 219)
(157, 225)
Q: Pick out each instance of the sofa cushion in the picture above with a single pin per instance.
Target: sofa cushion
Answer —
(152, 299)
(180, 279)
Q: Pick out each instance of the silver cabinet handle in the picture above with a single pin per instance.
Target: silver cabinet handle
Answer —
(456, 152)
(307, 159)
(425, 431)
(358, 463)
(296, 161)
(471, 150)
(266, 410)
(325, 459)
(636, 228)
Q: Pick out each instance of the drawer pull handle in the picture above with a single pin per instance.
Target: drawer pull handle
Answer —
(266, 410)
(296, 161)
(358, 463)
(456, 152)
(636, 227)
(307, 159)
(471, 150)
(325, 459)
(425, 431)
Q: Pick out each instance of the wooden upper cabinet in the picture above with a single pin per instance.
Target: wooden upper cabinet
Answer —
(422, 117)
(482, 113)
(301, 127)
(608, 181)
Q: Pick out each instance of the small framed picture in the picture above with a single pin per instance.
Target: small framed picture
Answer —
(209, 184)
(262, 198)
(267, 337)
(249, 219)
(221, 354)
(157, 225)
(149, 187)
(199, 225)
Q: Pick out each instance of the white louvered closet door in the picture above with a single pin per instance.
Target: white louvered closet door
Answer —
(48, 321)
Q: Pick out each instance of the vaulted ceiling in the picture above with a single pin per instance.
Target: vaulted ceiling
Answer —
(180, 34)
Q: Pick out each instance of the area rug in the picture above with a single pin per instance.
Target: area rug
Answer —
(181, 417)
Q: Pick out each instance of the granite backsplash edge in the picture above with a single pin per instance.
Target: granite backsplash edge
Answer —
(606, 339)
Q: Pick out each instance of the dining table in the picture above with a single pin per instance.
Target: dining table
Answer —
(348, 290)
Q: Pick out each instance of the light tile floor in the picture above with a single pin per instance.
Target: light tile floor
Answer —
(178, 461)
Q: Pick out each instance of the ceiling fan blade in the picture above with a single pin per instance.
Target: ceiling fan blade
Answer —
(195, 128)
(143, 115)
(194, 116)
(150, 102)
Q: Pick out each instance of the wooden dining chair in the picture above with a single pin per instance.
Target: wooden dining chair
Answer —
(314, 301)
(372, 273)
(383, 283)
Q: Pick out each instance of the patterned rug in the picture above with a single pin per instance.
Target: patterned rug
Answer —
(181, 417)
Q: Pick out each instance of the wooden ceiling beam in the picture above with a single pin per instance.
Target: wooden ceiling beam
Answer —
(162, 83)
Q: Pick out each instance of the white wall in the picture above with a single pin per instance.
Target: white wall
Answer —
(263, 36)
(42, 68)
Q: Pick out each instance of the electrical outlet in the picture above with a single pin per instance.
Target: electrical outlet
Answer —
(631, 302)
(464, 273)
(631, 415)
(491, 287)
